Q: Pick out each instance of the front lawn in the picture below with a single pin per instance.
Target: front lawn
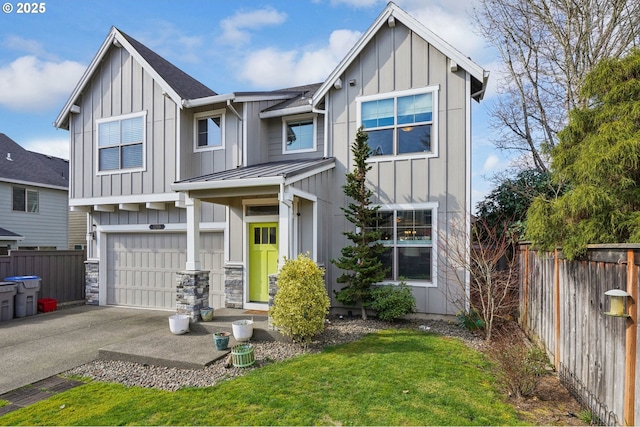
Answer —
(394, 377)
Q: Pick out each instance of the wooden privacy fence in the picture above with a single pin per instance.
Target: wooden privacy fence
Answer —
(563, 305)
(62, 272)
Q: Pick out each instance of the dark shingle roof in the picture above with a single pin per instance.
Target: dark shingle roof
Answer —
(285, 169)
(18, 164)
(302, 97)
(185, 86)
(6, 233)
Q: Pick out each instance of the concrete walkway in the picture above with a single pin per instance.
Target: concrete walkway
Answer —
(37, 347)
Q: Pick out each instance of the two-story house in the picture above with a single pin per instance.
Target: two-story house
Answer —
(178, 179)
(33, 199)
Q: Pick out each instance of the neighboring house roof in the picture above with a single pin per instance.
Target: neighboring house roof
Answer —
(10, 235)
(177, 84)
(274, 173)
(300, 103)
(59, 165)
(388, 16)
(18, 165)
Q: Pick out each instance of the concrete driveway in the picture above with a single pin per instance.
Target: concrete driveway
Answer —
(36, 347)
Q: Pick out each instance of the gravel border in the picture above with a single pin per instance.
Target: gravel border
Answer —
(338, 331)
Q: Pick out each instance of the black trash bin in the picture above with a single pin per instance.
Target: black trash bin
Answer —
(7, 296)
(26, 300)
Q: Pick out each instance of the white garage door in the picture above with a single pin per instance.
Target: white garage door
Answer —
(141, 268)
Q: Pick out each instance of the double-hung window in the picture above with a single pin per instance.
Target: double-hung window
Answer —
(408, 233)
(209, 130)
(25, 200)
(400, 123)
(298, 134)
(121, 142)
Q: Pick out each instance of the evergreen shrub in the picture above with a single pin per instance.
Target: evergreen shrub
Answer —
(301, 303)
(392, 301)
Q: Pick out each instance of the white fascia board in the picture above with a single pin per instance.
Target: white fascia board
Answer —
(116, 200)
(302, 109)
(231, 183)
(208, 100)
(33, 184)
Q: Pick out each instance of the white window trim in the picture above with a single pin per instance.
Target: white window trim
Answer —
(142, 114)
(26, 199)
(434, 121)
(433, 206)
(206, 114)
(299, 118)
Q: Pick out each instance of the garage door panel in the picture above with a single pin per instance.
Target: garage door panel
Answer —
(141, 268)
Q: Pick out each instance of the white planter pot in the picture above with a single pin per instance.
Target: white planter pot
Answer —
(179, 324)
(242, 329)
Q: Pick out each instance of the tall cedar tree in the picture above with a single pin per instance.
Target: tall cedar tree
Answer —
(599, 157)
(360, 260)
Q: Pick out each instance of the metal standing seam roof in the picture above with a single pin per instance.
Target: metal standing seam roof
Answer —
(284, 169)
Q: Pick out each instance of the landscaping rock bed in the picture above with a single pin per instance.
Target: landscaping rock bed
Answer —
(338, 331)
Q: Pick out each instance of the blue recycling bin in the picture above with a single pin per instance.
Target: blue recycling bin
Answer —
(26, 300)
(7, 297)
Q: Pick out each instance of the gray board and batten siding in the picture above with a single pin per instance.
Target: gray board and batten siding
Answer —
(398, 59)
(121, 86)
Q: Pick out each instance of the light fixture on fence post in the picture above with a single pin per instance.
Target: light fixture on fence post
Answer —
(617, 303)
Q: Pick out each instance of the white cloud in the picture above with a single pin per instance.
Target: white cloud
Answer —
(356, 3)
(236, 29)
(491, 163)
(279, 68)
(172, 43)
(58, 147)
(30, 84)
(17, 43)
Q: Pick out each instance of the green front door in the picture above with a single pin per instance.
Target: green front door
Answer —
(263, 259)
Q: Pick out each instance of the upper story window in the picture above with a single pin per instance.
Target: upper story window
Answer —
(121, 142)
(400, 123)
(25, 200)
(209, 130)
(298, 134)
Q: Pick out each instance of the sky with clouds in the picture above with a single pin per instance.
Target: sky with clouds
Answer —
(240, 45)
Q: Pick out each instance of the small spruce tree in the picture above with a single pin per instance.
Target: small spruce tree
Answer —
(361, 259)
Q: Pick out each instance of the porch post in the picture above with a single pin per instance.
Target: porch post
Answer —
(284, 226)
(193, 234)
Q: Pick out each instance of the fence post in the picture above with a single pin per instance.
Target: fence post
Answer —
(526, 288)
(556, 309)
(630, 342)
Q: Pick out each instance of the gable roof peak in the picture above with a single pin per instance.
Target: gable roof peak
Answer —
(388, 16)
(177, 84)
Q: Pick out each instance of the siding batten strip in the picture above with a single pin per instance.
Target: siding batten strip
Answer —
(556, 309)
(631, 338)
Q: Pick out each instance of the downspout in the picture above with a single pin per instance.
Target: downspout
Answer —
(326, 124)
(240, 146)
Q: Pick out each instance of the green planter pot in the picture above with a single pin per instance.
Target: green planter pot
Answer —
(221, 340)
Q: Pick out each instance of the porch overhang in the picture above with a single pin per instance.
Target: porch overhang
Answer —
(261, 179)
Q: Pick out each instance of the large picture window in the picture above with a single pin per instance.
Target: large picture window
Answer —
(121, 143)
(209, 130)
(298, 134)
(401, 123)
(408, 235)
(25, 200)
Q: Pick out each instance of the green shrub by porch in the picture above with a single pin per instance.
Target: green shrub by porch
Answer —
(301, 303)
